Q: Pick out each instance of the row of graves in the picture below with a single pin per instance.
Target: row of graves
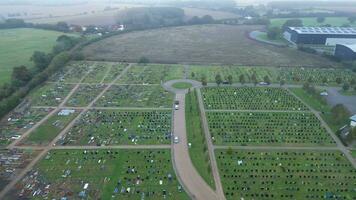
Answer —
(72, 73)
(267, 128)
(18, 122)
(250, 98)
(84, 95)
(117, 127)
(151, 96)
(152, 74)
(12, 162)
(102, 174)
(50, 94)
(286, 175)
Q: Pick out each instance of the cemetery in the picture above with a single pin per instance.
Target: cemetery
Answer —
(18, 122)
(152, 96)
(267, 128)
(250, 98)
(73, 72)
(115, 70)
(152, 74)
(115, 127)
(96, 73)
(286, 174)
(102, 174)
(50, 94)
(84, 95)
(47, 131)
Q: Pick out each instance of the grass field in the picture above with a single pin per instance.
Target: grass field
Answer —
(311, 100)
(109, 174)
(18, 45)
(182, 85)
(286, 175)
(199, 150)
(199, 44)
(311, 21)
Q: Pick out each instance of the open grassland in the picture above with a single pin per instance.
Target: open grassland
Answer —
(311, 21)
(199, 44)
(286, 129)
(109, 127)
(286, 175)
(18, 45)
(105, 174)
(250, 98)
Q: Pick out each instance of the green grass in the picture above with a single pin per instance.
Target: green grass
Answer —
(353, 153)
(50, 94)
(18, 45)
(182, 85)
(198, 151)
(349, 92)
(286, 175)
(105, 171)
(84, 95)
(311, 21)
(309, 99)
(47, 131)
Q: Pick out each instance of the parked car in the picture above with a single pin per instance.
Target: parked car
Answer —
(176, 140)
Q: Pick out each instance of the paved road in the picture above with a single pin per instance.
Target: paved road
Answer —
(335, 97)
(169, 85)
(186, 172)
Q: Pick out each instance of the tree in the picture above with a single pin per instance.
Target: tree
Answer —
(282, 82)
(324, 80)
(229, 79)
(20, 76)
(339, 114)
(273, 33)
(204, 81)
(41, 60)
(346, 86)
(338, 80)
(193, 74)
(292, 22)
(218, 79)
(242, 79)
(254, 78)
(353, 82)
(144, 60)
(267, 80)
(352, 19)
(320, 19)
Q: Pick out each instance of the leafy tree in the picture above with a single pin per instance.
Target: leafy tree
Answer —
(193, 74)
(324, 80)
(20, 76)
(353, 82)
(144, 60)
(273, 33)
(338, 80)
(346, 86)
(267, 80)
(282, 82)
(230, 79)
(292, 22)
(320, 19)
(352, 19)
(41, 60)
(242, 79)
(254, 78)
(218, 79)
(204, 81)
(339, 114)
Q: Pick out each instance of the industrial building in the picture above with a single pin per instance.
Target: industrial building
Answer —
(345, 52)
(321, 35)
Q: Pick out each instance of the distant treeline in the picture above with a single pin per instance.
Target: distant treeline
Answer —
(309, 4)
(20, 23)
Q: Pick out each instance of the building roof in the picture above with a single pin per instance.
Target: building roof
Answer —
(325, 30)
(353, 48)
(353, 118)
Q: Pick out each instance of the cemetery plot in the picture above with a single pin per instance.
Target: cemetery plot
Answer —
(113, 127)
(115, 71)
(318, 76)
(196, 72)
(97, 73)
(77, 72)
(286, 175)
(136, 96)
(51, 94)
(47, 131)
(84, 95)
(152, 74)
(263, 128)
(103, 174)
(19, 122)
(12, 162)
(250, 98)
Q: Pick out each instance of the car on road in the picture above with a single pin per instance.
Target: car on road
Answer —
(176, 105)
(176, 140)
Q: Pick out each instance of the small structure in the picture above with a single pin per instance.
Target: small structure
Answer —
(345, 51)
(324, 94)
(66, 112)
(353, 121)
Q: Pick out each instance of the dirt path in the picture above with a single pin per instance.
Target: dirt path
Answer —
(186, 172)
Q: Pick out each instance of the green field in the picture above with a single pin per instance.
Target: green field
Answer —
(182, 85)
(18, 45)
(199, 150)
(286, 175)
(110, 174)
(113, 127)
(311, 21)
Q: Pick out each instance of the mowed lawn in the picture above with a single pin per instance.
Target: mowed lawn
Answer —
(311, 21)
(18, 45)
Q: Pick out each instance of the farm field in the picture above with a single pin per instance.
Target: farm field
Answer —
(112, 127)
(311, 21)
(19, 122)
(222, 44)
(268, 129)
(105, 174)
(29, 40)
(47, 131)
(286, 174)
(250, 98)
(152, 96)
(50, 94)
(152, 74)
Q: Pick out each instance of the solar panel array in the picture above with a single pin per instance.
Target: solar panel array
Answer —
(325, 30)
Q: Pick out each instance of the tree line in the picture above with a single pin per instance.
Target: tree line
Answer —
(20, 23)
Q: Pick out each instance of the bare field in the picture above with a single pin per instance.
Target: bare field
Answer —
(220, 44)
